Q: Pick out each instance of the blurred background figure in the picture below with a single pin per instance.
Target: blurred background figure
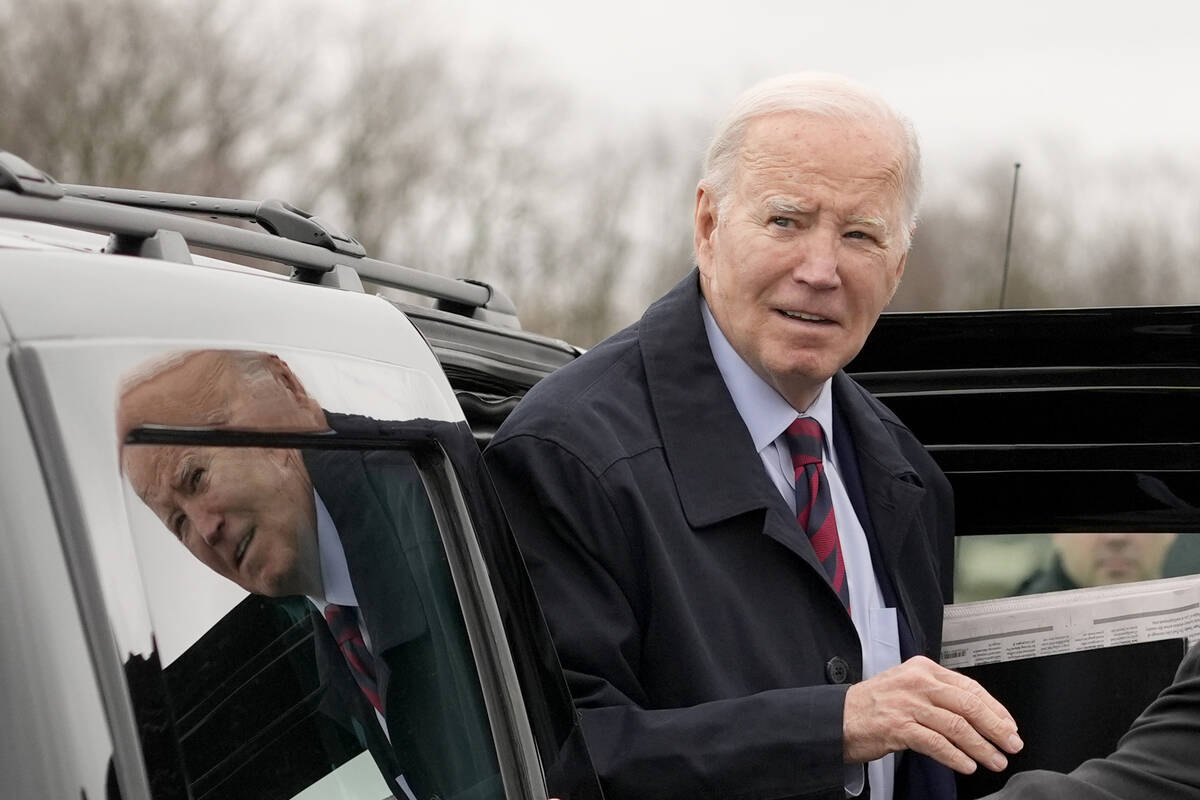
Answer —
(1098, 559)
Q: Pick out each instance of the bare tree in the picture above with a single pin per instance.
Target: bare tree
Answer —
(133, 93)
(467, 162)
(1086, 232)
(958, 250)
(476, 168)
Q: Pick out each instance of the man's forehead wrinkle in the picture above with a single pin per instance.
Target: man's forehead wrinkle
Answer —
(193, 393)
(859, 203)
(881, 146)
(763, 164)
(784, 206)
(214, 388)
(892, 174)
(850, 208)
(869, 221)
(156, 402)
(152, 475)
(769, 164)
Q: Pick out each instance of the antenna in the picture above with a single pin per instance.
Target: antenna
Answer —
(1012, 208)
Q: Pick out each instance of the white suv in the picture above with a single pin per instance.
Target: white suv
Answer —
(130, 670)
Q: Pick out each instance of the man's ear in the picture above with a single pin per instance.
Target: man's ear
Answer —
(287, 379)
(705, 226)
(315, 416)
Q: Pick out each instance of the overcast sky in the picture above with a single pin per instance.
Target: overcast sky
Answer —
(1104, 77)
(1096, 99)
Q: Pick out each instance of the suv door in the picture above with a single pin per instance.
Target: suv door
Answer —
(229, 694)
(1071, 438)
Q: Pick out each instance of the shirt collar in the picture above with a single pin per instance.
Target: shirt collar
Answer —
(763, 409)
(335, 573)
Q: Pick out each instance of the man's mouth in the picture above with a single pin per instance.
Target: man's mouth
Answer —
(240, 553)
(803, 316)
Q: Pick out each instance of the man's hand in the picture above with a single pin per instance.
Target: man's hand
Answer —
(925, 707)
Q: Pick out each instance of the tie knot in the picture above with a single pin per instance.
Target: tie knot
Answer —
(804, 437)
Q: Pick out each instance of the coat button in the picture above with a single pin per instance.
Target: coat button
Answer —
(837, 670)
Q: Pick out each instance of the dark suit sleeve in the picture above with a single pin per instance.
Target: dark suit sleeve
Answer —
(582, 550)
(1158, 758)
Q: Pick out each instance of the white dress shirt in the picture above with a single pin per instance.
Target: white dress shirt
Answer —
(767, 415)
(335, 573)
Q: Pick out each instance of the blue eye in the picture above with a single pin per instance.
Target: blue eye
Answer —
(782, 222)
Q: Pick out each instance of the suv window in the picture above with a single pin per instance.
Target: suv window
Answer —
(266, 700)
(155, 603)
(1009, 565)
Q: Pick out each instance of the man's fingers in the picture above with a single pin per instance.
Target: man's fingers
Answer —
(961, 737)
(973, 686)
(995, 705)
(985, 714)
(922, 706)
(933, 744)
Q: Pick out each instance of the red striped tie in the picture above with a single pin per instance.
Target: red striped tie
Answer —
(343, 624)
(814, 505)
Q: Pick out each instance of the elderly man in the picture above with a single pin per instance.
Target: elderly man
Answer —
(736, 546)
(351, 530)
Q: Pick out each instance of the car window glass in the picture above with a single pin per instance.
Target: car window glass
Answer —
(82, 388)
(270, 697)
(1009, 565)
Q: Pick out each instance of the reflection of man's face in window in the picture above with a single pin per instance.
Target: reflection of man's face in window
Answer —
(1098, 559)
(246, 513)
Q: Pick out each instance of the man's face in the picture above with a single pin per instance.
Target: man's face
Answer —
(247, 513)
(809, 249)
(1098, 559)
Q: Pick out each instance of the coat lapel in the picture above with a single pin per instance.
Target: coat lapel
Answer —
(389, 604)
(891, 486)
(886, 497)
(717, 472)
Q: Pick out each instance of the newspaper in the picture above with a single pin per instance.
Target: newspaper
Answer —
(1013, 628)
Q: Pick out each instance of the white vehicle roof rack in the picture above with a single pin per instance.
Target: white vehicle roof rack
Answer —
(157, 225)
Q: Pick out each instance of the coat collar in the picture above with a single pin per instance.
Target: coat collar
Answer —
(892, 489)
(717, 471)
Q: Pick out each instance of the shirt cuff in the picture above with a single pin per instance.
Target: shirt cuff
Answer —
(854, 779)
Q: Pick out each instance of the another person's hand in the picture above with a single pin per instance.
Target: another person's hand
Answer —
(922, 706)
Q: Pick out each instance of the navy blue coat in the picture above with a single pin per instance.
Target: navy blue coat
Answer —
(704, 646)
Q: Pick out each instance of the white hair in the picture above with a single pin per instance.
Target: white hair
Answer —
(251, 366)
(816, 93)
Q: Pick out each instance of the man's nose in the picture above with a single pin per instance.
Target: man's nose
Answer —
(1118, 541)
(206, 519)
(817, 260)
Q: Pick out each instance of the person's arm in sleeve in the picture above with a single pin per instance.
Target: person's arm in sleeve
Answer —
(582, 546)
(1159, 757)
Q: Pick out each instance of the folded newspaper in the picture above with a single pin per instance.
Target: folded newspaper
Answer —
(1013, 628)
